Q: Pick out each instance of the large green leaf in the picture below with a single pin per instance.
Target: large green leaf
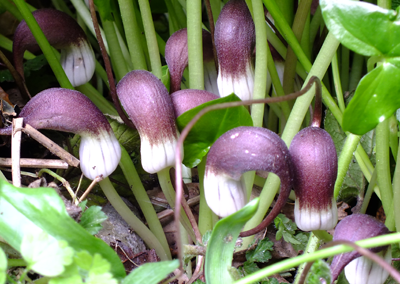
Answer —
(210, 127)
(220, 247)
(29, 211)
(362, 27)
(376, 98)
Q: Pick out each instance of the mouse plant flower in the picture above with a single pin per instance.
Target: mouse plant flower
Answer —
(187, 99)
(235, 40)
(64, 33)
(314, 170)
(358, 269)
(71, 111)
(149, 105)
(240, 150)
(176, 55)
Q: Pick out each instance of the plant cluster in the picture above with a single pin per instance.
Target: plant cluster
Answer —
(235, 89)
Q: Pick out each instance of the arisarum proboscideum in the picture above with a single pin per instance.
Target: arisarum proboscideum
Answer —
(240, 150)
(148, 104)
(187, 99)
(176, 55)
(234, 41)
(64, 33)
(71, 111)
(359, 269)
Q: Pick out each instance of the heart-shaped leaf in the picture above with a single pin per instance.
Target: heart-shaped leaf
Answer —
(376, 98)
(362, 27)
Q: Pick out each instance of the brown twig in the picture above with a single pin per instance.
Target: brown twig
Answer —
(89, 189)
(17, 77)
(168, 212)
(185, 132)
(35, 163)
(107, 64)
(52, 146)
(16, 150)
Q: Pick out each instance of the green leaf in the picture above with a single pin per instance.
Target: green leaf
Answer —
(3, 267)
(221, 245)
(302, 238)
(44, 254)
(151, 273)
(95, 269)
(41, 209)
(210, 127)
(262, 252)
(319, 271)
(250, 267)
(376, 98)
(106, 8)
(92, 218)
(362, 27)
(286, 229)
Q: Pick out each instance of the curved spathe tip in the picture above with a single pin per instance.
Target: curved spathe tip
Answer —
(99, 155)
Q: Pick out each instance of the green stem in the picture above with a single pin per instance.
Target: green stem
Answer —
(287, 8)
(393, 136)
(83, 11)
(396, 194)
(344, 161)
(312, 245)
(11, 9)
(383, 166)
(44, 45)
(368, 194)
(356, 71)
(338, 86)
(133, 221)
(260, 78)
(315, 25)
(7, 44)
(320, 254)
(195, 46)
(291, 60)
(143, 199)
(205, 213)
(118, 61)
(13, 262)
(151, 38)
(169, 192)
(133, 34)
(105, 106)
(344, 74)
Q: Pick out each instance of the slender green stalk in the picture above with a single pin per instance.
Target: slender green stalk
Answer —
(312, 245)
(344, 161)
(169, 192)
(356, 71)
(118, 61)
(133, 34)
(315, 25)
(105, 106)
(133, 221)
(287, 8)
(124, 48)
(143, 199)
(44, 45)
(151, 38)
(322, 235)
(260, 78)
(324, 253)
(205, 213)
(195, 44)
(11, 9)
(338, 85)
(383, 166)
(393, 136)
(291, 60)
(7, 44)
(13, 262)
(345, 61)
(83, 11)
(396, 193)
(368, 194)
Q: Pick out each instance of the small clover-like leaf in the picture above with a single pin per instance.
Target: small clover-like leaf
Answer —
(96, 269)
(92, 218)
(262, 252)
